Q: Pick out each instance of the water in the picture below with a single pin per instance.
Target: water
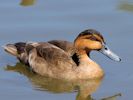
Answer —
(64, 19)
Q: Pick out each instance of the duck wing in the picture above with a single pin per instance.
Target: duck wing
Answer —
(54, 56)
(64, 45)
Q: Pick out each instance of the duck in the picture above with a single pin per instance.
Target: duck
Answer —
(62, 59)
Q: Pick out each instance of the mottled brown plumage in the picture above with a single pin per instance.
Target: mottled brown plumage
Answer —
(64, 45)
(62, 59)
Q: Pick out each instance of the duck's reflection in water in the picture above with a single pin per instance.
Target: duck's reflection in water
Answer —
(84, 87)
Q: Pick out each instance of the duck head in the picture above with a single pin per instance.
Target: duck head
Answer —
(91, 39)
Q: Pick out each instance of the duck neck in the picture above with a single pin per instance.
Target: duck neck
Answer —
(83, 56)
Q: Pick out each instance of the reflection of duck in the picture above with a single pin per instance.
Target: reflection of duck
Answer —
(56, 62)
(84, 87)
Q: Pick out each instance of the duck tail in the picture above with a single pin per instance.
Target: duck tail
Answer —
(15, 49)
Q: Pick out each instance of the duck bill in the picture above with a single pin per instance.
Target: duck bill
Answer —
(11, 49)
(106, 51)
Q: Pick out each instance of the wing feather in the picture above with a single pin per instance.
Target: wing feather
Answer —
(64, 45)
(53, 55)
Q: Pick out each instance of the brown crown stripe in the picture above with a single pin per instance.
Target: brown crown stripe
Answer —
(92, 35)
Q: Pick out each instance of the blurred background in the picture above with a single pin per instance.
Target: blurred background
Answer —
(43, 20)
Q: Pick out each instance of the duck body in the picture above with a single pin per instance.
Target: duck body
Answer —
(62, 59)
(59, 64)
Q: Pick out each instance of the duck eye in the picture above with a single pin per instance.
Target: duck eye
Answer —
(106, 48)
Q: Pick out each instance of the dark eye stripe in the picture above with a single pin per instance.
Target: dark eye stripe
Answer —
(93, 38)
